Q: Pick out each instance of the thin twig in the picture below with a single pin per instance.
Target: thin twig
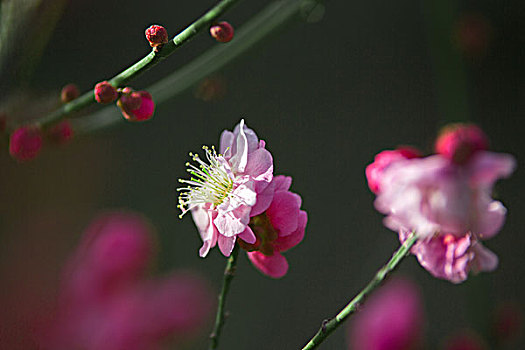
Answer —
(229, 272)
(143, 65)
(328, 326)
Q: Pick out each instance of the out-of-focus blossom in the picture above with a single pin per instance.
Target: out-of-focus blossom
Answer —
(136, 106)
(451, 257)
(507, 322)
(211, 89)
(222, 32)
(105, 92)
(473, 34)
(382, 160)
(279, 228)
(61, 133)
(25, 142)
(467, 340)
(433, 194)
(106, 301)
(445, 199)
(69, 93)
(392, 319)
(224, 192)
(458, 142)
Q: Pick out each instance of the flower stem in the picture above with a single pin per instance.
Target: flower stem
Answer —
(143, 65)
(328, 326)
(229, 272)
(259, 27)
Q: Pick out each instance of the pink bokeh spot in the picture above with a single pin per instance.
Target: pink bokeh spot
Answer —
(392, 319)
(107, 302)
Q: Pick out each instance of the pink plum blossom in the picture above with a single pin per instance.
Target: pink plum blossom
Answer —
(392, 319)
(278, 229)
(450, 257)
(106, 302)
(433, 194)
(229, 188)
(445, 199)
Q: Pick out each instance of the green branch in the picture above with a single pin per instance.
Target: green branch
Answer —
(328, 326)
(143, 65)
(254, 31)
(229, 272)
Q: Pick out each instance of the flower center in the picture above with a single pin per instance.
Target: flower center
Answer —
(211, 182)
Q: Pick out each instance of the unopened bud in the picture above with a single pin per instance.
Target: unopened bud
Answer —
(69, 93)
(458, 142)
(136, 106)
(25, 142)
(222, 32)
(105, 93)
(156, 35)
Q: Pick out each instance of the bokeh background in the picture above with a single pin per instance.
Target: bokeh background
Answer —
(326, 96)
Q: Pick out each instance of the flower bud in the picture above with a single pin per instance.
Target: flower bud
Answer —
(61, 133)
(156, 35)
(458, 142)
(222, 32)
(136, 106)
(383, 160)
(105, 93)
(69, 93)
(25, 142)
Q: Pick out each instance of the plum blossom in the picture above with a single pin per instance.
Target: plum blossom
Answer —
(278, 229)
(392, 319)
(106, 302)
(228, 188)
(450, 257)
(445, 199)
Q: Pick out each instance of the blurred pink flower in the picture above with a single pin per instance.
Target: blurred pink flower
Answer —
(107, 303)
(374, 171)
(452, 258)
(433, 194)
(278, 229)
(230, 188)
(392, 319)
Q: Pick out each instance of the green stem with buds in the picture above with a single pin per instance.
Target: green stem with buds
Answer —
(328, 326)
(143, 65)
(259, 27)
(229, 272)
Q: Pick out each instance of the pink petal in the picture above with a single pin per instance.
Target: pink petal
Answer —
(239, 159)
(490, 217)
(226, 244)
(284, 212)
(264, 199)
(282, 183)
(230, 223)
(260, 165)
(274, 266)
(284, 243)
(251, 136)
(248, 236)
(226, 144)
(485, 260)
(486, 167)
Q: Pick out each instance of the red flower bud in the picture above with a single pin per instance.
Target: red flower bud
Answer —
(136, 106)
(222, 32)
(61, 133)
(105, 93)
(25, 142)
(458, 142)
(69, 93)
(156, 35)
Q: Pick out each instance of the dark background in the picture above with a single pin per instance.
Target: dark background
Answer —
(326, 97)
